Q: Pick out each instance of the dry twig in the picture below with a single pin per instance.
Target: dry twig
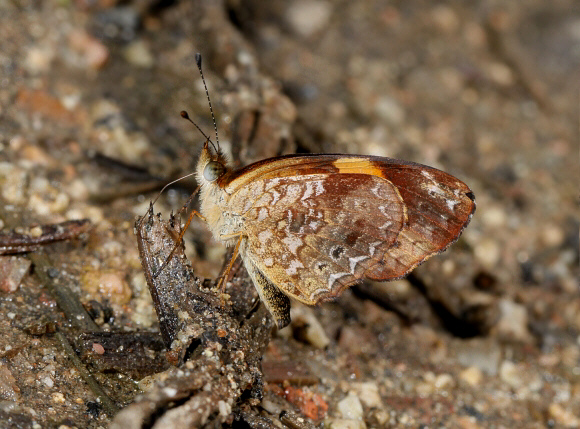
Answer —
(218, 346)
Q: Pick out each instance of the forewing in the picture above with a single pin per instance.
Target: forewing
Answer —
(317, 224)
(439, 206)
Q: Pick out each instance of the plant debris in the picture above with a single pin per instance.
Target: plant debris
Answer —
(34, 237)
(219, 351)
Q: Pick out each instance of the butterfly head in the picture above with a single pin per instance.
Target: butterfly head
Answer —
(211, 165)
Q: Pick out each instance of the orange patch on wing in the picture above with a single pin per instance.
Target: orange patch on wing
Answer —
(357, 166)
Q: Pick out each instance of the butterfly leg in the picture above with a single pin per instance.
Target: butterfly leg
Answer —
(179, 238)
(223, 278)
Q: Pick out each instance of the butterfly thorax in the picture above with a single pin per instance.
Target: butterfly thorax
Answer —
(224, 224)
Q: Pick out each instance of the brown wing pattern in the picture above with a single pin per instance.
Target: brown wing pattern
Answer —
(322, 223)
(439, 206)
(314, 235)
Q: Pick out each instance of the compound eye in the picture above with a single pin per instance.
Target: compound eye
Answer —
(213, 171)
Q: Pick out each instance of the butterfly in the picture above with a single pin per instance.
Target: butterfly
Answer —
(309, 226)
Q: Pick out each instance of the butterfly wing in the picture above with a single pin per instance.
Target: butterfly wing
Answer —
(315, 225)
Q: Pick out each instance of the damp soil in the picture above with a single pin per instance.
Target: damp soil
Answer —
(486, 334)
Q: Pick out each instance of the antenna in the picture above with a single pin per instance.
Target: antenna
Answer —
(184, 115)
(198, 62)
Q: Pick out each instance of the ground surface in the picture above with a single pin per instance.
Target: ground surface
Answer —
(485, 335)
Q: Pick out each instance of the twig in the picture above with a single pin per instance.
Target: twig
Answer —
(219, 346)
(13, 242)
(108, 405)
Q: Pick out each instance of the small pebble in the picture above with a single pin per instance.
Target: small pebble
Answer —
(471, 376)
(9, 389)
(424, 389)
(445, 18)
(13, 269)
(147, 384)
(112, 248)
(144, 313)
(433, 383)
(98, 349)
(139, 54)
(467, 422)
(92, 52)
(58, 398)
(95, 214)
(562, 416)
(494, 216)
(78, 190)
(482, 354)
(350, 407)
(224, 408)
(552, 235)
(474, 34)
(109, 284)
(14, 183)
(513, 322)
(38, 59)
(500, 74)
(549, 360)
(36, 156)
(48, 381)
(311, 331)
(488, 252)
(368, 393)
(35, 232)
(382, 417)
(308, 17)
(444, 382)
(47, 203)
(511, 374)
(389, 109)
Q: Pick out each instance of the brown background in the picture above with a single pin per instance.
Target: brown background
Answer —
(485, 335)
